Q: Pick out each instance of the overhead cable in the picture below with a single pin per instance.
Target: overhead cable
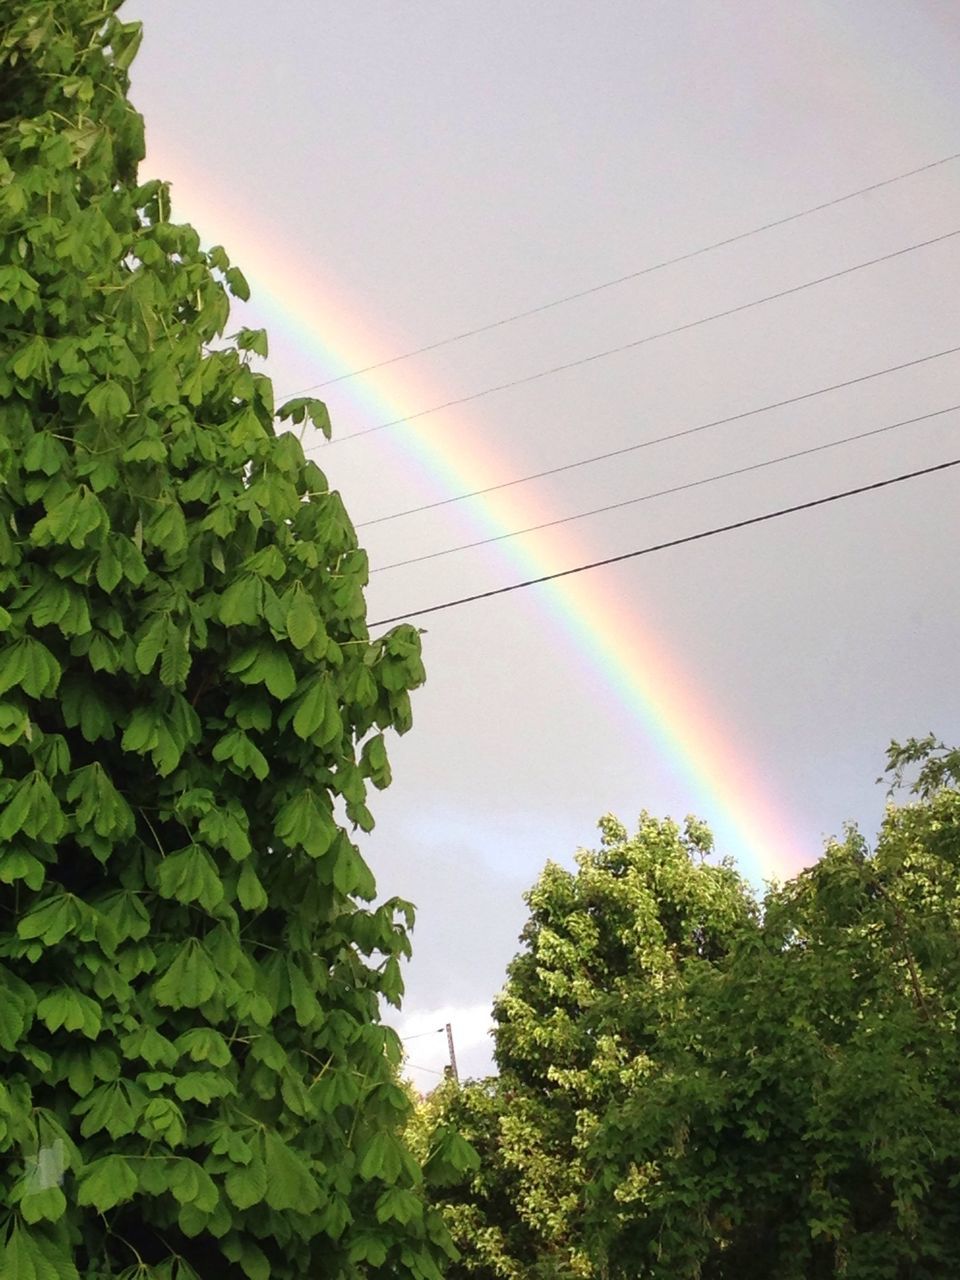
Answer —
(662, 493)
(664, 546)
(639, 342)
(631, 275)
(664, 439)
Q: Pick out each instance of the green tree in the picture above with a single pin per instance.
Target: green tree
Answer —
(692, 1090)
(806, 1124)
(607, 950)
(478, 1196)
(194, 1080)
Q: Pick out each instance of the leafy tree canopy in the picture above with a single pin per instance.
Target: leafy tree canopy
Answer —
(194, 1080)
(694, 1090)
(807, 1125)
(602, 971)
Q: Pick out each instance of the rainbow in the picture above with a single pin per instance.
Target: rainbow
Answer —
(605, 633)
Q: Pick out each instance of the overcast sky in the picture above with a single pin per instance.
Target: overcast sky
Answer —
(393, 173)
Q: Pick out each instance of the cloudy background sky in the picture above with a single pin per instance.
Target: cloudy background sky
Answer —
(391, 173)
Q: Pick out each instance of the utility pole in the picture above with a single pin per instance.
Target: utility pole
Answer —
(452, 1068)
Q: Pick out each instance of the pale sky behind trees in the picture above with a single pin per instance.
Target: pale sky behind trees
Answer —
(392, 172)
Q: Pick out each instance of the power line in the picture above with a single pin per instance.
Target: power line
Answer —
(662, 493)
(646, 444)
(632, 275)
(639, 342)
(664, 546)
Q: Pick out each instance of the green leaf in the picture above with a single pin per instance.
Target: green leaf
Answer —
(17, 864)
(162, 1119)
(151, 644)
(29, 1255)
(227, 827)
(99, 804)
(254, 1262)
(267, 665)
(367, 1247)
(205, 1044)
(246, 1185)
(311, 709)
(266, 563)
(125, 913)
(12, 1024)
(113, 1107)
(125, 40)
(72, 521)
(319, 415)
(306, 823)
(34, 810)
(165, 736)
(14, 723)
(238, 748)
(29, 664)
(242, 602)
(106, 1182)
(190, 980)
(380, 1158)
(44, 453)
(131, 559)
(399, 1205)
(109, 570)
(165, 386)
(191, 1184)
(148, 1043)
(350, 873)
(54, 918)
(250, 892)
(254, 340)
(237, 284)
(18, 287)
(307, 407)
(32, 360)
(167, 530)
(391, 982)
(317, 715)
(302, 620)
(109, 403)
(302, 996)
(70, 1009)
(452, 1157)
(46, 1204)
(290, 1184)
(83, 706)
(190, 876)
(175, 663)
(148, 449)
(202, 1086)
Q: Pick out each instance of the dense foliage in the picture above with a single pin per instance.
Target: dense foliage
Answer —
(194, 1080)
(779, 1102)
(603, 972)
